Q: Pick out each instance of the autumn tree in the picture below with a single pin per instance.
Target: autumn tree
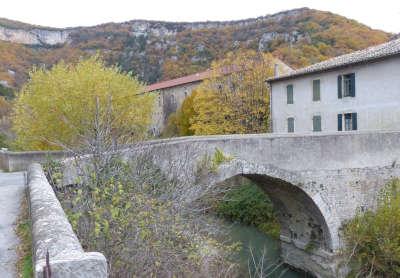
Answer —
(57, 108)
(235, 99)
(179, 122)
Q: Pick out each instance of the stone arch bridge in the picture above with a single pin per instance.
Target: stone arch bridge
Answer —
(316, 182)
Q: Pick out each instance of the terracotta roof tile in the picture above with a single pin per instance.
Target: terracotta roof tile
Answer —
(179, 81)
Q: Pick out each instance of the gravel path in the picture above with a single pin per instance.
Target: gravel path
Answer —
(12, 186)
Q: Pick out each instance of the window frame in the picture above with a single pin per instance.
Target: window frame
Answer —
(347, 85)
(289, 100)
(289, 130)
(314, 129)
(314, 99)
(348, 121)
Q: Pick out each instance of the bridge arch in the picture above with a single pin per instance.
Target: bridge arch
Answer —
(306, 237)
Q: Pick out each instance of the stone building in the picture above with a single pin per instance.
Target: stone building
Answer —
(170, 96)
(172, 93)
(356, 91)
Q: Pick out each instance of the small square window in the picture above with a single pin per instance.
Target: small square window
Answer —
(290, 124)
(289, 94)
(317, 123)
(316, 90)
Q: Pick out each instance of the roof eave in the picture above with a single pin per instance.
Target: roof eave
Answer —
(369, 61)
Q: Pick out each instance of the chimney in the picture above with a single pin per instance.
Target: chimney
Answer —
(276, 70)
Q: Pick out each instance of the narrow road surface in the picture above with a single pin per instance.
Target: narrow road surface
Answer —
(12, 186)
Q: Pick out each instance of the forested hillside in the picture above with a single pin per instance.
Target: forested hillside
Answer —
(161, 50)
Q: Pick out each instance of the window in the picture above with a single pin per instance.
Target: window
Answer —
(347, 85)
(317, 123)
(316, 90)
(349, 120)
(290, 124)
(289, 91)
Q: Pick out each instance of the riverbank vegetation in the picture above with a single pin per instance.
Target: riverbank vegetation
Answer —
(248, 204)
(373, 237)
(132, 213)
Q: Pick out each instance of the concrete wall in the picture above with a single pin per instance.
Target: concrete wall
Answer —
(51, 232)
(377, 100)
(167, 102)
(19, 161)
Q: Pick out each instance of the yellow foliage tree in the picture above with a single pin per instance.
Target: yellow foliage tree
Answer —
(58, 108)
(179, 122)
(235, 99)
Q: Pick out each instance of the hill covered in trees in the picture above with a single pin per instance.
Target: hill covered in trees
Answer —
(157, 51)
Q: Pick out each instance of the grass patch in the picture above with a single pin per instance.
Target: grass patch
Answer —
(24, 250)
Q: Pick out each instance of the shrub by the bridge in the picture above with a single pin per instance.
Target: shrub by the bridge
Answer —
(373, 238)
(248, 204)
(133, 215)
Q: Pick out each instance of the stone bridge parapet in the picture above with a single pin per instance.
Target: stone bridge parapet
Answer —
(52, 232)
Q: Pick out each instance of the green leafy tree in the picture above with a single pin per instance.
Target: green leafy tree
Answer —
(57, 108)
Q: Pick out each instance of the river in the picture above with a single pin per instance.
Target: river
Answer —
(253, 239)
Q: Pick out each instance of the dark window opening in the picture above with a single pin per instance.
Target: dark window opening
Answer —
(347, 85)
(316, 90)
(290, 123)
(289, 94)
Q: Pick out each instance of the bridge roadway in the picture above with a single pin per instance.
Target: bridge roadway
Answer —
(12, 186)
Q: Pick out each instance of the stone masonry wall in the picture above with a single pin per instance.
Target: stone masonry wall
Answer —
(51, 232)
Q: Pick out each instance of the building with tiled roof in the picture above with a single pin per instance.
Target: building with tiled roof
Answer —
(172, 93)
(355, 91)
(170, 96)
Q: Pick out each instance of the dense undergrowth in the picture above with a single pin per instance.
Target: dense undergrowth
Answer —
(248, 204)
(133, 215)
(373, 237)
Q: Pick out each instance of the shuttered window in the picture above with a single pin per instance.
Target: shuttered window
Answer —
(316, 90)
(349, 120)
(289, 93)
(290, 124)
(317, 123)
(339, 86)
(347, 85)
(354, 120)
(340, 121)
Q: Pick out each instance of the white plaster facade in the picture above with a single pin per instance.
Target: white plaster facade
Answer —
(376, 101)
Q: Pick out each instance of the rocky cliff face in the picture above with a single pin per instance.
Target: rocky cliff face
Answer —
(34, 36)
(155, 50)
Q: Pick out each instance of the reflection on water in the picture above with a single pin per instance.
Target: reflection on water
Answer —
(260, 251)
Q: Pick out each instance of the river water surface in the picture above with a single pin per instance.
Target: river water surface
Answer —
(255, 242)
